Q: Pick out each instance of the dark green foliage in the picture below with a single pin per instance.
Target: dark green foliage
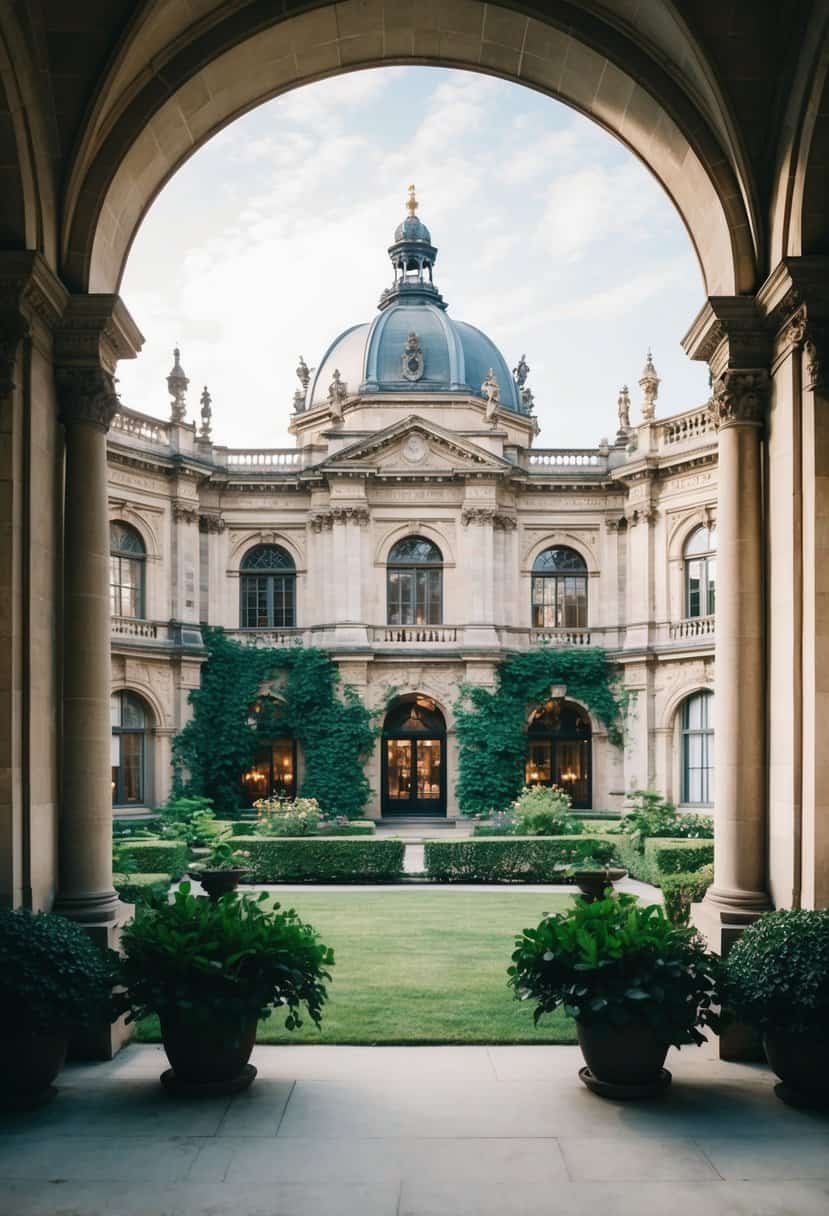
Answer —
(778, 972)
(654, 816)
(53, 978)
(492, 725)
(679, 891)
(154, 857)
(222, 962)
(329, 827)
(616, 962)
(321, 859)
(141, 888)
(135, 829)
(334, 731)
(662, 857)
(512, 858)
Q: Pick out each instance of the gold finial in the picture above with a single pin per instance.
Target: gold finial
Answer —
(412, 203)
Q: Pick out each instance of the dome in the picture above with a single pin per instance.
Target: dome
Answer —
(412, 229)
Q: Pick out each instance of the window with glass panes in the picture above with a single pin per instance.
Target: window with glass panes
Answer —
(698, 749)
(127, 565)
(268, 589)
(130, 730)
(415, 583)
(559, 589)
(700, 554)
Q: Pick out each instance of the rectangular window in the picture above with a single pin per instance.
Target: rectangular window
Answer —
(711, 580)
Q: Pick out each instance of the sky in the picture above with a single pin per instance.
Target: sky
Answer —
(552, 238)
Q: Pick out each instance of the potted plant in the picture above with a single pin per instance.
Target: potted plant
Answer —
(222, 870)
(778, 982)
(593, 877)
(634, 983)
(210, 970)
(53, 981)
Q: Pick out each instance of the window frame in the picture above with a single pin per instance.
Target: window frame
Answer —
(706, 577)
(143, 734)
(705, 735)
(273, 589)
(424, 578)
(133, 559)
(561, 592)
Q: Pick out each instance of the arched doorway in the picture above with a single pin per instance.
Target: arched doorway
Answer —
(131, 723)
(273, 772)
(414, 759)
(559, 751)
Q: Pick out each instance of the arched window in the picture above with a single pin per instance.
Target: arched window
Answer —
(268, 589)
(559, 747)
(127, 565)
(130, 751)
(415, 583)
(700, 555)
(697, 725)
(559, 591)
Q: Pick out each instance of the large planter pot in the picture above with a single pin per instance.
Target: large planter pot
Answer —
(593, 883)
(218, 882)
(30, 1063)
(206, 1059)
(623, 1061)
(801, 1061)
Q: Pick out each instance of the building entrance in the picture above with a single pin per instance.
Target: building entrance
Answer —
(414, 759)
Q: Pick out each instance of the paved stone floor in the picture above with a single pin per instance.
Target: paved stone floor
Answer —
(422, 1131)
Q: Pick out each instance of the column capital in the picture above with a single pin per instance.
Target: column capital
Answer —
(29, 291)
(729, 332)
(740, 398)
(795, 301)
(94, 332)
(87, 395)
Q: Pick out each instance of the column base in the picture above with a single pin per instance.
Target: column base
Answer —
(97, 908)
(104, 1041)
(722, 924)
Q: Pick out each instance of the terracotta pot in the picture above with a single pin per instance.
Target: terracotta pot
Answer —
(218, 882)
(30, 1064)
(801, 1061)
(202, 1054)
(622, 1055)
(592, 883)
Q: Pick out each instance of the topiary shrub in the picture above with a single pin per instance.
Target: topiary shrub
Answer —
(678, 856)
(141, 888)
(512, 858)
(321, 859)
(679, 891)
(156, 856)
(778, 972)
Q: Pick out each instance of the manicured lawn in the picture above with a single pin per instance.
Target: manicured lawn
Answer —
(419, 967)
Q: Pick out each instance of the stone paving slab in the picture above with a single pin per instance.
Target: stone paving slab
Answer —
(388, 1131)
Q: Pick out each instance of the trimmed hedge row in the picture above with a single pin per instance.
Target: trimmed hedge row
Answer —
(511, 858)
(140, 888)
(356, 827)
(679, 891)
(156, 856)
(678, 856)
(321, 859)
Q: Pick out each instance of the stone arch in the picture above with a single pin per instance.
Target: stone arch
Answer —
(123, 513)
(682, 529)
(672, 706)
(165, 96)
(424, 528)
(144, 690)
(251, 540)
(563, 540)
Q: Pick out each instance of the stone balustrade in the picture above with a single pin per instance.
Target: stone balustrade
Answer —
(693, 627)
(562, 637)
(567, 458)
(264, 459)
(688, 427)
(132, 627)
(269, 638)
(143, 427)
(416, 635)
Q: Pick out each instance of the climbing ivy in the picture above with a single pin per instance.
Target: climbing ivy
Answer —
(492, 724)
(332, 726)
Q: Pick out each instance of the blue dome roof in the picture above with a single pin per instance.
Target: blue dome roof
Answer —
(412, 229)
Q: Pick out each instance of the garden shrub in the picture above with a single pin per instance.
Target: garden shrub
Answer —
(141, 888)
(321, 859)
(543, 810)
(654, 816)
(778, 972)
(678, 856)
(136, 829)
(156, 856)
(512, 858)
(287, 816)
(329, 827)
(679, 891)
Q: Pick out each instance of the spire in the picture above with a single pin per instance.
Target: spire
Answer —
(413, 257)
(649, 383)
(206, 402)
(177, 383)
(412, 204)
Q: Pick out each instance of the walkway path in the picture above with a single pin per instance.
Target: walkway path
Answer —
(424, 1131)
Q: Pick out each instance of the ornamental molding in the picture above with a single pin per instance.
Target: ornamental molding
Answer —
(13, 329)
(97, 329)
(740, 398)
(185, 512)
(211, 523)
(339, 515)
(86, 395)
(411, 361)
(814, 347)
(641, 515)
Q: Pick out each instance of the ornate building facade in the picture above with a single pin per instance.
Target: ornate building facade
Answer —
(418, 534)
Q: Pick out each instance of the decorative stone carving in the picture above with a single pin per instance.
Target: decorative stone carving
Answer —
(13, 328)
(184, 512)
(623, 407)
(86, 394)
(339, 515)
(492, 393)
(412, 362)
(206, 402)
(740, 398)
(521, 371)
(211, 523)
(337, 394)
(527, 399)
(649, 383)
(478, 516)
(814, 348)
(303, 375)
(177, 383)
(641, 515)
(504, 522)
(415, 449)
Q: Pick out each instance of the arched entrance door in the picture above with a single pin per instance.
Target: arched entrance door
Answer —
(274, 769)
(414, 759)
(559, 751)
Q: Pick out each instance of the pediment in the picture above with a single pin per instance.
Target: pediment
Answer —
(413, 446)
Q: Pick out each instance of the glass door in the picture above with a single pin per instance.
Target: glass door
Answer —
(414, 777)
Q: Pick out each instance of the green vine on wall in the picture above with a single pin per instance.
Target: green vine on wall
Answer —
(332, 726)
(491, 725)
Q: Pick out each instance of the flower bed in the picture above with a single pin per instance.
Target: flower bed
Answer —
(156, 856)
(141, 888)
(321, 859)
(512, 858)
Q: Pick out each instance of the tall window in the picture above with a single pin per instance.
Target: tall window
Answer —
(127, 564)
(268, 592)
(698, 749)
(415, 583)
(559, 591)
(130, 732)
(700, 554)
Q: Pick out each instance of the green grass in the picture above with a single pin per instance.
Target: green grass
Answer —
(418, 967)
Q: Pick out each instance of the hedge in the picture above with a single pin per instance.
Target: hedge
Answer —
(679, 891)
(511, 858)
(140, 888)
(663, 855)
(321, 859)
(124, 828)
(356, 827)
(156, 856)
